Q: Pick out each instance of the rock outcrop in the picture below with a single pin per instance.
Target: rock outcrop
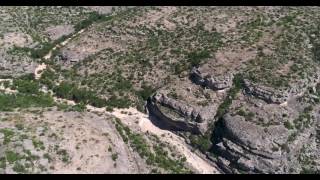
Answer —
(278, 96)
(191, 119)
(267, 94)
(246, 147)
(208, 81)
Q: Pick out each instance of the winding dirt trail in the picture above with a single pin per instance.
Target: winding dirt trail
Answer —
(4, 89)
(38, 71)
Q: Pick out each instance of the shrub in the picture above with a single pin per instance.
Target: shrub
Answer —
(146, 92)
(26, 86)
(201, 142)
(19, 168)
(288, 125)
(10, 101)
(114, 156)
(12, 156)
(64, 90)
(195, 58)
(114, 101)
(97, 102)
(79, 107)
(8, 134)
(2, 163)
(93, 17)
(47, 78)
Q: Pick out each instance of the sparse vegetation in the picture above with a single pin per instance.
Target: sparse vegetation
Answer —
(123, 58)
(159, 157)
(196, 58)
(9, 102)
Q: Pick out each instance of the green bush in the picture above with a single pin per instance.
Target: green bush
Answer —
(201, 142)
(97, 102)
(64, 90)
(47, 78)
(195, 58)
(8, 134)
(80, 107)
(71, 92)
(10, 101)
(26, 86)
(114, 156)
(19, 168)
(2, 163)
(93, 17)
(288, 125)
(12, 156)
(237, 85)
(157, 157)
(146, 92)
(80, 95)
(114, 101)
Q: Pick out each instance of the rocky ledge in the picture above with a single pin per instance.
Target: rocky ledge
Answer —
(179, 115)
(208, 81)
(280, 95)
(242, 146)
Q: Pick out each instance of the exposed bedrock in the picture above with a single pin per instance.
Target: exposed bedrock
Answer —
(153, 110)
(247, 147)
(181, 116)
(278, 96)
(265, 93)
(207, 80)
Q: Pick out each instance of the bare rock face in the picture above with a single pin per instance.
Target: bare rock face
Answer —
(253, 137)
(247, 147)
(207, 80)
(183, 109)
(190, 118)
(267, 94)
(278, 96)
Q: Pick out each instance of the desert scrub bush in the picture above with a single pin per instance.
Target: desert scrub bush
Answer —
(19, 168)
(64, 90)
(64, 155)
(19, 126)
(80, 107)
(10, 101)
(114, 156)
(196, 57)
(3, 163)
(38, 144)
(72, 92)
(304, 118)
(116, 102)
(237, 86)
(8, 134)
(288, 125)
(12, 156)
(158, 157)
(48, 77)
(63, 107)
(93, 17)
(202, 143)
(26, 86)
(146, 92)
(247, 116)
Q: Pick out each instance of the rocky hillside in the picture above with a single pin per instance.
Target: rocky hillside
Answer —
(159, 89)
